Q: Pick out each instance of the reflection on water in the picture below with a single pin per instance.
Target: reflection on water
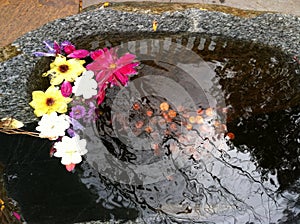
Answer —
(178, 168)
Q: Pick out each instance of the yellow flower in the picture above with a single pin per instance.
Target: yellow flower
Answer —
(50, 101)
(62, 69)
(2, 206)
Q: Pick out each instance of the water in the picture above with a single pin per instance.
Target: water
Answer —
(176, 169)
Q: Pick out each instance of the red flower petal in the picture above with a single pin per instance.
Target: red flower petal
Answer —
(128, 69)
(70, 167)
(52, 151)
(68, 49)
(101, 93)
(122, 78)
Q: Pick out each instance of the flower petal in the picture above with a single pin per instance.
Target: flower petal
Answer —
(96, 54)
(66, 89)
(70, 167)
(101, 94)
(18, 216)
(126, 59)
(79, 54)
(43, 54)
(68, 47)
(56, 47)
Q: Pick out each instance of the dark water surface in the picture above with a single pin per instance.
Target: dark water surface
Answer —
(175, 174)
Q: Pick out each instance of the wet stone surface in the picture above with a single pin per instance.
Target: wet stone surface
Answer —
(196, 173)
(193, 172)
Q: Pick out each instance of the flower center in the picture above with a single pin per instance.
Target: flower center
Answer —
(63, 68)
(112, 66)
(50, 102)
(77, 112)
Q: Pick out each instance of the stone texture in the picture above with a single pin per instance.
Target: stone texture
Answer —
(278, 30)
(273, 29)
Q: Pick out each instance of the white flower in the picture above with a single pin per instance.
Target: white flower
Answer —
(70, 149)
(85, 85)
(52, 126)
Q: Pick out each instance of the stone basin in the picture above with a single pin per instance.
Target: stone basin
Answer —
(252, 65)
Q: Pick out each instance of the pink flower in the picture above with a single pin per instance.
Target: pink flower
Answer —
(66, 89)
(17, 215)
(111, 69)
(79, 54)
(68, 47)
(96, 54)
(101, 93)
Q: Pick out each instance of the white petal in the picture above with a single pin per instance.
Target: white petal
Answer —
(76, 158)
(66, 160)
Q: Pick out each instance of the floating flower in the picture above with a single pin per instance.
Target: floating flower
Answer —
(66, 89)
(50, 101)
(70, 167)
(52, 126)
(96, 54)
(79, 54)
(85, 85)
(52, 49)
(67, 47)
(106, 70)
(77, 112)
(62, 69)
(111, 69)
(91, 114)
(76, 125)
(70, 150)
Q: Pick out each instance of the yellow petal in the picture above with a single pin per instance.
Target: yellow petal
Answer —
(59, 60)
(56, 80)
(40, 111)
(38, 94)
(52, 90)
(38, 97)
(10, 123)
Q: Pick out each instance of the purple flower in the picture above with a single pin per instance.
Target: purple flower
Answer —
(76, 125)
(91, 114)
(77, 112)
(52, 49)
(71, 132)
